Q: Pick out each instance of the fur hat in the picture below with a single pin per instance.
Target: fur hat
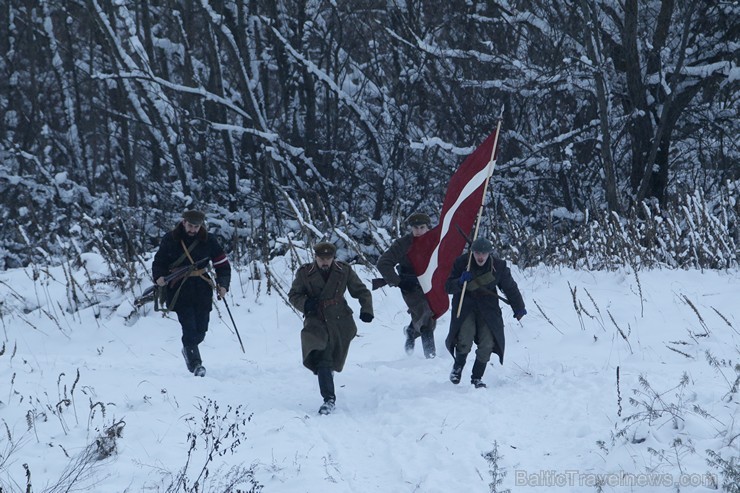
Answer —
(325, 249)
(418, 218)
(482, 245)
(196, 218)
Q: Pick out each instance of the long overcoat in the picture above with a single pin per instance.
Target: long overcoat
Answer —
(481, 296)
(397, 257)
(333, 320)
(194, 291)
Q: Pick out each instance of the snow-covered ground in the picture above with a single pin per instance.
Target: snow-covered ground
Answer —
(613, 380)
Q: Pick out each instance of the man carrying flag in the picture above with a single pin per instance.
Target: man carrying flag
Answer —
(432, 254)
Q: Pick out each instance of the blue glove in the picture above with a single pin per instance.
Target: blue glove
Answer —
(518, 314)
(466, 276)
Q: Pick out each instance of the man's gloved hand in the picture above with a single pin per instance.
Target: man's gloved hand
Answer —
(366, 317)
(518, 314)
(311, 306)
(466, 276)
(408, 283)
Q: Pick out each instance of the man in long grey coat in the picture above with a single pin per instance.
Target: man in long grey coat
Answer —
(328, 327)
(395, 267)
(480, 318)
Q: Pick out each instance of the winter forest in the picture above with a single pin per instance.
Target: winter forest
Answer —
(336, 118)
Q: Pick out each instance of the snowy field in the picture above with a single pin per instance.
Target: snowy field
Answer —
(612, 382)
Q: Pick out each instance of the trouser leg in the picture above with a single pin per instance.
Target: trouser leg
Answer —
(194, 325)
(427, 343)
(324, 370)
(409, 343)
(426, 329)
(326, 380)
(478, 369)
(485, 342)
(466, 335)
(422, 323)
(326, 383)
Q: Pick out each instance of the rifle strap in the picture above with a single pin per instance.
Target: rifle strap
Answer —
(185, 255)
(177, 262)
(200, 272)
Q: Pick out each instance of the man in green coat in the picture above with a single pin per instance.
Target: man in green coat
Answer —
(328, 327)
(395, 267)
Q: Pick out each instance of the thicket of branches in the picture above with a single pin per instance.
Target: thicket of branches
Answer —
(120, 114)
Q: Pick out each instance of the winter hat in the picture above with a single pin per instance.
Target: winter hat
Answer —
(325, 249)
(196, 218)
(418, 218)
(482, 245)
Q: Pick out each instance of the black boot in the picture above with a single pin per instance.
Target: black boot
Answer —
(327, 407)
(410, 337)
(427, 343)
(192, 357)
(326, 387)
(475, 378)
(457, 368)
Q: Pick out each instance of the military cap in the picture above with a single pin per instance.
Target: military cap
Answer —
(194, 217)
(418, 218)
(482, 245)
(325, 249)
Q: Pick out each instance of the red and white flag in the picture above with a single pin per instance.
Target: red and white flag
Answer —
(433, 254)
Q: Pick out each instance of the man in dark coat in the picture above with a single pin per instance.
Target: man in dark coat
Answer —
(395, 267)
(480, 318)
(191, 298)
(328, 327)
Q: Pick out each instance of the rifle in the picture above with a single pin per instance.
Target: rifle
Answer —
(174, 276)
(467, 238)
(492, 293)
(379, 282)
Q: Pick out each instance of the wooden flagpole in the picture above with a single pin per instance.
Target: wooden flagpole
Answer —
(491, 166)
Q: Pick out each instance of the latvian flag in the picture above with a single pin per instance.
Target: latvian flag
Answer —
(433, 254)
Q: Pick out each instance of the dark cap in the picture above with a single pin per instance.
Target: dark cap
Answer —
(325, 249)
(418, 218)
(482, 245)
(194, 217)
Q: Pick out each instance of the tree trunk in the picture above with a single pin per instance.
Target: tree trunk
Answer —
(602, 95)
